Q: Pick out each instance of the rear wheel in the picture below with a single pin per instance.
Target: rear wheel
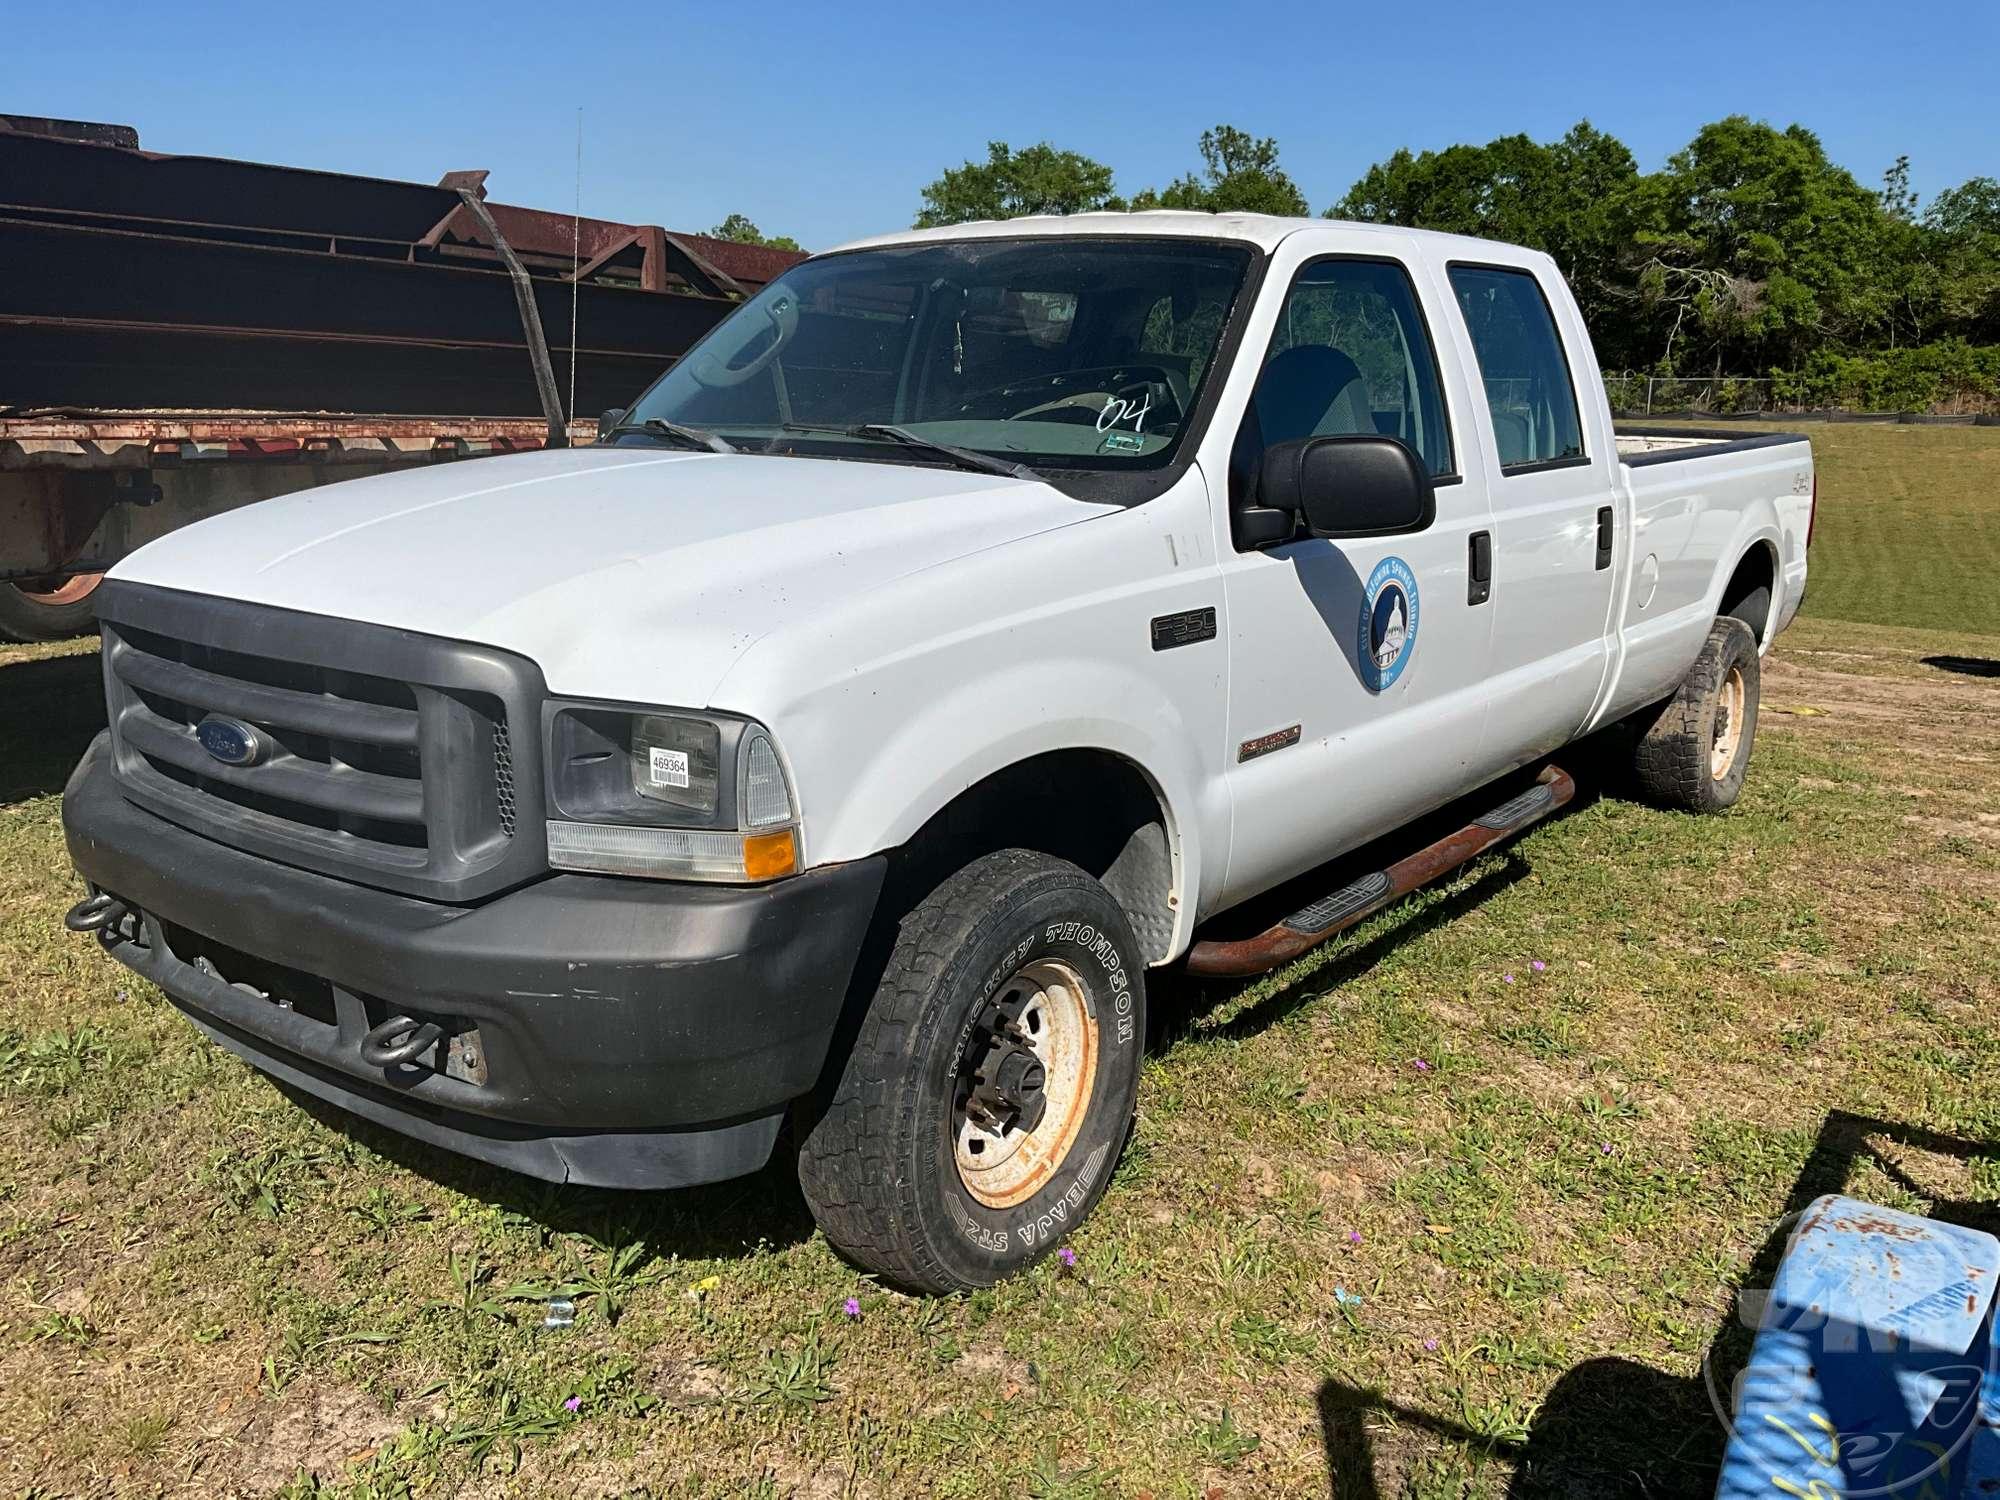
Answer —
(1696, 748)
(48, 609)
(992, 1083)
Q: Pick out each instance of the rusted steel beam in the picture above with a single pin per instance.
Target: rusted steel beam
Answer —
(49, 442)
(1360, 899)
(531, 322)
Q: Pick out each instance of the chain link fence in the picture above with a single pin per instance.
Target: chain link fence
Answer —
(1634, 395)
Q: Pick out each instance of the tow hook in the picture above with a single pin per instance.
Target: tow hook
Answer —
(94, 913)
(104, 914)
(399, 1040)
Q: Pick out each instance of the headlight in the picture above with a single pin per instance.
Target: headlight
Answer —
(673, 796)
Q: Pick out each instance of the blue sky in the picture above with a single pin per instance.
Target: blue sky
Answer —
(824, 121)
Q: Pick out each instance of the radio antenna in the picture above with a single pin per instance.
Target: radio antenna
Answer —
(575, 260)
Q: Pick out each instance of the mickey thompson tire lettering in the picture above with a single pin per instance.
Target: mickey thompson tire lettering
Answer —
(878, 1165)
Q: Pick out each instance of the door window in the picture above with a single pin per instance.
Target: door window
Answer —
(1351, 354)
(1521, 361)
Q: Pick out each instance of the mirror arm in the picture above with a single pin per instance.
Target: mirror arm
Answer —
(1265, 526)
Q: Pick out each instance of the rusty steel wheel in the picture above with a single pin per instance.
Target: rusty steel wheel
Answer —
(1024, 1084)
(1727, 734)
(48, 609)
(982, 1106)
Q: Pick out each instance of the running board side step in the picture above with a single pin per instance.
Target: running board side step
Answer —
(1354, 902)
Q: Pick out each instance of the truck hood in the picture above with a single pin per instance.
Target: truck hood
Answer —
(626, 573)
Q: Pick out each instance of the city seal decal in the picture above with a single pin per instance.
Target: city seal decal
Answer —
(1388, 633)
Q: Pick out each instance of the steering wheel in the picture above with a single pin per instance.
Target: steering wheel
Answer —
(1082, 395)
(783, 311)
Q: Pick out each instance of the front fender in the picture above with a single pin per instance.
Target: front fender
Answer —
(949, 741)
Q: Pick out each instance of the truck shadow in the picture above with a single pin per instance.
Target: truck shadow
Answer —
(50, 710)
(1966, 666)
(722, 1221)
(1178, 1004)
(1617, 1426)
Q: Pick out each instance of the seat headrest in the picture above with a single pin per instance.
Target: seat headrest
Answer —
(1310, 390)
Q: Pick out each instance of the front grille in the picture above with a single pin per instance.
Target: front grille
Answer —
(390, 756)
(503, 777)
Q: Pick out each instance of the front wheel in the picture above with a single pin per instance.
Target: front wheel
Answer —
(993, 1081)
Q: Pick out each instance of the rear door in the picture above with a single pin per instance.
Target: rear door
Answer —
(1553, 496)
(1357, 666)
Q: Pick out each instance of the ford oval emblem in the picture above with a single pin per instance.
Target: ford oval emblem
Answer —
(231, 741)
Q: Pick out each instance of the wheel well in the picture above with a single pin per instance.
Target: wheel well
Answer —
(1757, 570)
(1091, 807)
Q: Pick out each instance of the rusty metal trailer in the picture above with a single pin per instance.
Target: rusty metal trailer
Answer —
(180, 335)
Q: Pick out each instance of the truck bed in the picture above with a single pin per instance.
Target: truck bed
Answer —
(1639, 446)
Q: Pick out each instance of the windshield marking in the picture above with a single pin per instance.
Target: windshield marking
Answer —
(1117, 409)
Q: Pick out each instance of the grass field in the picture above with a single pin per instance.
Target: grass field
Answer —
(1456, 1207)
(1909, 535)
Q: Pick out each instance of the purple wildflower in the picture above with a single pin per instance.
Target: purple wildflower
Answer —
(1067, 1256)
(1537, 965)
(1605, 1149)
(1420, 1065)
(1353, 1236)
(573, 1403)
(852, 1307)
(1430, 1343)
(1506, 978)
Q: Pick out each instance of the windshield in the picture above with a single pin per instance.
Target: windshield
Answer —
(1051, 352)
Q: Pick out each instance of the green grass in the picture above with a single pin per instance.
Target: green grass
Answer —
(1909, 525)
(1319, 1267)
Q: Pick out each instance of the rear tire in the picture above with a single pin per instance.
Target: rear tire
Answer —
(1695, 749)
(48, 609)
(912, 1170)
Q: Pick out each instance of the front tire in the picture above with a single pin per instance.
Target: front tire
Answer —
(992, 1083)
(1695, 751)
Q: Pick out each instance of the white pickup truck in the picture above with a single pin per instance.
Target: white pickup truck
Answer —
(938, 647)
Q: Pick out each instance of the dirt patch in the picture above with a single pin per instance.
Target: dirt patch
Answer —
(1985, 826)
(988, 1363)
(1260, 1176)
(686, 1382)
(315, 1428)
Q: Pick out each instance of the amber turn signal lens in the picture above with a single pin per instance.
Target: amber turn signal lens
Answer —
(767, 856)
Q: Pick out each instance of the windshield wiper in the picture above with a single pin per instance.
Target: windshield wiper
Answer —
(680, 432)
(965, 458)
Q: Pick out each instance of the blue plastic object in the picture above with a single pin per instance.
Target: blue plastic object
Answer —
(1873, 1368)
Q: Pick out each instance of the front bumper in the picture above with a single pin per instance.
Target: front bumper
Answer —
(619, 1032)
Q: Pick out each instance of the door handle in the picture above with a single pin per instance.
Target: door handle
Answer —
(1604, 537)
(1479, 568)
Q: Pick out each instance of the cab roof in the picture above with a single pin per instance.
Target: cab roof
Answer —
(1265, 231)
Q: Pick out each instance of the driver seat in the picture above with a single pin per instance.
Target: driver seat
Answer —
(1312, 390)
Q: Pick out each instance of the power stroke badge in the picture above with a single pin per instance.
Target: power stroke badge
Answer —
(1388, 633)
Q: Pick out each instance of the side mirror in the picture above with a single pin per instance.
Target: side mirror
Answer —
(610, 420)
(1348, 486)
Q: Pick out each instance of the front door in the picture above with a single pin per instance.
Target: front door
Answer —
(1356, 666)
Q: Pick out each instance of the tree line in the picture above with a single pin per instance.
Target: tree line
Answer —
(1748, 254)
